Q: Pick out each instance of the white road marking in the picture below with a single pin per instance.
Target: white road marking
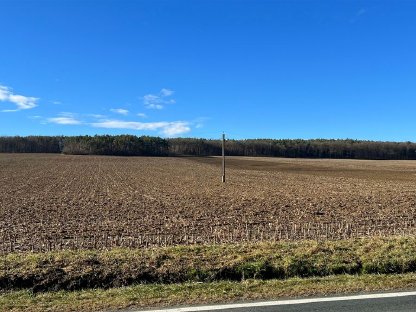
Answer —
(285, 302)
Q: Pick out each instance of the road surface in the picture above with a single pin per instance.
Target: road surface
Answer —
(381, 302)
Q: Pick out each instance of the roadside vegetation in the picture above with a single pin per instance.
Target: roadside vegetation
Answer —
(149, 296)
(75, 270)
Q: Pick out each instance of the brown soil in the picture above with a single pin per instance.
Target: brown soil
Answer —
(50, 202)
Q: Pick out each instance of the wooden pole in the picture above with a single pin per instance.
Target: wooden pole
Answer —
(223, 158)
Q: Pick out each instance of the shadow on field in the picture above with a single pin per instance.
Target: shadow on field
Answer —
(362, 169)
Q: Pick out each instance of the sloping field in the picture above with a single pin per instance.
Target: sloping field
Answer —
(50, 202)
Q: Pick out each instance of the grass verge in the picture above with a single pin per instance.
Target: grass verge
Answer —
(160, 295)
(75, 270)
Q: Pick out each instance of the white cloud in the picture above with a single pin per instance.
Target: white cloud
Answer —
(176, 128)
(153, 101)
(21, 101)
(142, 115)
(97, 116)
(65, 119)
(166, 128)
(166, 92)
(56, 102)
(120, 111)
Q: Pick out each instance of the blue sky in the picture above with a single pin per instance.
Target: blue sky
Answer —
(254, 69)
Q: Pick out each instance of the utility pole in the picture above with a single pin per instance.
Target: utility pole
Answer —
(223, 157)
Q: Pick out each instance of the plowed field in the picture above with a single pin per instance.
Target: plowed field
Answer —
(50, 202)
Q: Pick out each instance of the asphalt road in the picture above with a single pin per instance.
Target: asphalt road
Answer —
(402, 304)
(385, 302)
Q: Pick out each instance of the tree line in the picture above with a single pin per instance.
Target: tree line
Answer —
(130, 145)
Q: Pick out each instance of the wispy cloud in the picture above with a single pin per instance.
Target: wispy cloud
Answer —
(120, 111)
(97, 116)
(65, 119)
(361, 12)
(165, 128)
(358, 15)
(158, 101)
(199, 122)
(152, 101)
(155, 101)
(166, 92)
(22, 102)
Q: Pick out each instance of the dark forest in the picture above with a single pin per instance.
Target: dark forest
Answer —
(130, 145)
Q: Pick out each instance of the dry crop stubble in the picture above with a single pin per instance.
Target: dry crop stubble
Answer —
(53, 202)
